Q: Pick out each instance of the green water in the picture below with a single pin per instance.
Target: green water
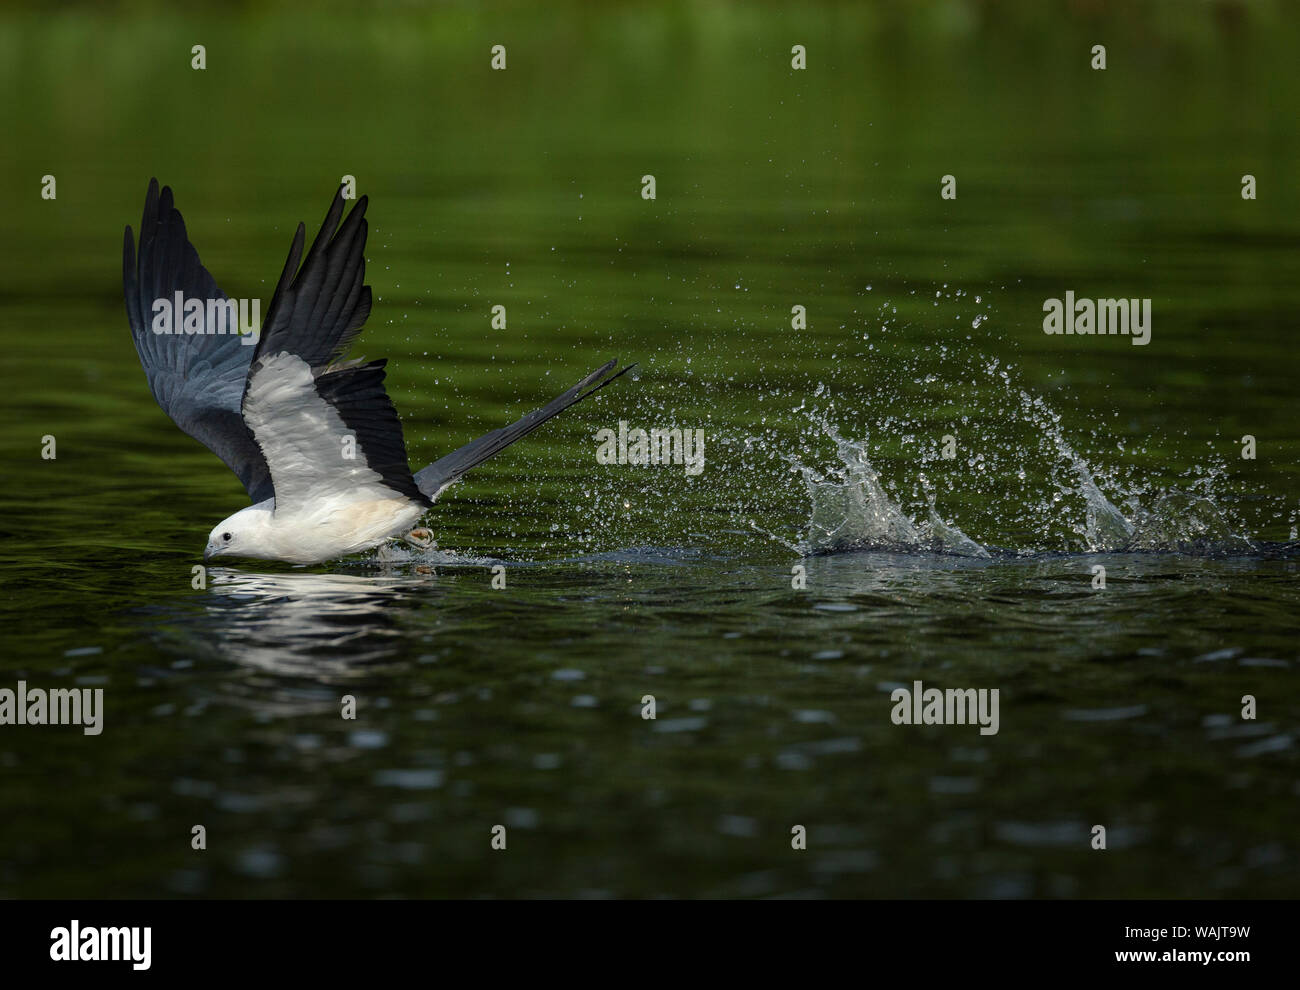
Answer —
(522, 706)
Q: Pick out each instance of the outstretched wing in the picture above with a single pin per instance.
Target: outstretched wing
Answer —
(327, 431)
(197, 379)
(318, 310)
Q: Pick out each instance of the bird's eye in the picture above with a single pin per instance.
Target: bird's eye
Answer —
(226, 537)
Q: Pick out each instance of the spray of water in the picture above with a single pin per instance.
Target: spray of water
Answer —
(852, 510)
(821, 468)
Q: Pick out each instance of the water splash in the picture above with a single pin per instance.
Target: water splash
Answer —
(1187, 523)
(949, 539)
(1024, 481)
(851, 510)
(1105, 527)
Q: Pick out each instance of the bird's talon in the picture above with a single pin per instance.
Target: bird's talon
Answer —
(421, 538)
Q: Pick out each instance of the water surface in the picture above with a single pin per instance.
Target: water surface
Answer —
(477, 706)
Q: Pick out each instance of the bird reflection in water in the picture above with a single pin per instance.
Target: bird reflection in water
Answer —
(300, 639)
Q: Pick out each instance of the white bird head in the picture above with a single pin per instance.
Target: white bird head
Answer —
(240, 535)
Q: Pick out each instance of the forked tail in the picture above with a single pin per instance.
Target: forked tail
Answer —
(442, 472)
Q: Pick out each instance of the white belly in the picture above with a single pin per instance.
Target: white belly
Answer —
(327, 532)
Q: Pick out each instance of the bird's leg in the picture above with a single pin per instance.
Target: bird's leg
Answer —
(420, 538)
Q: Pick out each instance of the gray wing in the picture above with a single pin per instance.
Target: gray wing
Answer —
(197, 379)
(300, 401)
(447, 470)
(317, 312)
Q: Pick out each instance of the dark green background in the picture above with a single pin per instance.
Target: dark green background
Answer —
(775, 187)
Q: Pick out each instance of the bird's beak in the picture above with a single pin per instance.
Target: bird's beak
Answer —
(209, 552)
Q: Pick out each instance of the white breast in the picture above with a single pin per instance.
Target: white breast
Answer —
(334, 528)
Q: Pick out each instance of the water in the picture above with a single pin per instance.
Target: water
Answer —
(825, 458)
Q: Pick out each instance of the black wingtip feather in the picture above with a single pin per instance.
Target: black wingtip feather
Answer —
(319, 308)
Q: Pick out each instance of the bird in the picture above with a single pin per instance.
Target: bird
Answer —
(284, 413)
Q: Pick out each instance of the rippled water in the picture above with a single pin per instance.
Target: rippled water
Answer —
(830, 552)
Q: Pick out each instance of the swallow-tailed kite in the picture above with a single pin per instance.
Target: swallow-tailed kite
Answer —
(284, 414)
